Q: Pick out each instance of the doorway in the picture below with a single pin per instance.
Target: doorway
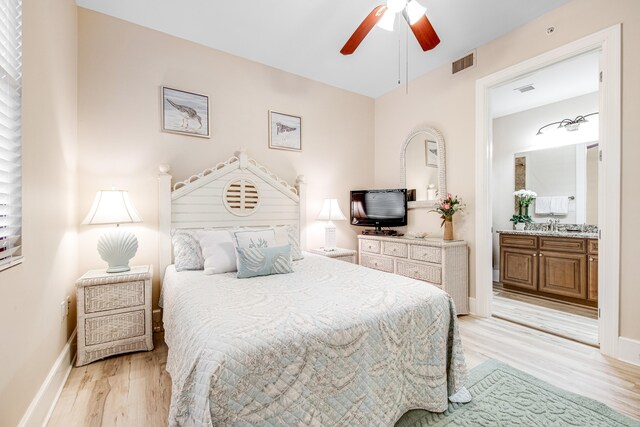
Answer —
(544, 197)
(608, 43)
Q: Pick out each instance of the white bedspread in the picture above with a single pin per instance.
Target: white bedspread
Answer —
(332, 344)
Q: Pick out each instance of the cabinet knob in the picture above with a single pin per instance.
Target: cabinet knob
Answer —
(590, 259)
(540, 254)
(535, 254)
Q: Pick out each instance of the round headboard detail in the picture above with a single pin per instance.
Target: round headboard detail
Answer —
(241, 197)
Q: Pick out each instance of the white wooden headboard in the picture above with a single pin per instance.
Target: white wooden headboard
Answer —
(238, 192)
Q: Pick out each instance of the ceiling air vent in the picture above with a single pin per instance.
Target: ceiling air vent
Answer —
(467, 61)
(525, 88)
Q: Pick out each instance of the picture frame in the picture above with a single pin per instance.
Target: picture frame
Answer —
(185, 113)
(431, 153)
(285, 131)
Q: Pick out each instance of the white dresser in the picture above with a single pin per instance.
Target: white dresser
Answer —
(114, 313)
(442, 263)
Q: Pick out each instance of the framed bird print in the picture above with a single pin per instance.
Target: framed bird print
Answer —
(186, 113)
(285, 131)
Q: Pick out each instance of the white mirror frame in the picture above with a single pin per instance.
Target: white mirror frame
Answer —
(442, 175)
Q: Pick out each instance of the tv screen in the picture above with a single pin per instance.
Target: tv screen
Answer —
(379, 208)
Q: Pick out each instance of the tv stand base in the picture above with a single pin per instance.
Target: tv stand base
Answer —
(380, 232)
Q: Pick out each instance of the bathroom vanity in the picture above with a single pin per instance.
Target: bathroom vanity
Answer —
(555, 264)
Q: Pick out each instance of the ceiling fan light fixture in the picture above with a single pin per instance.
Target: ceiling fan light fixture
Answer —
(387, 21)
(396, 6)
(415, 11)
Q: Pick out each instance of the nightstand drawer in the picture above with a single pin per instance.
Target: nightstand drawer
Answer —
(371, 246)
(394, 249)
(425, 253)
(424, 272)
(114, 327)
(379, 263)
(113, 296)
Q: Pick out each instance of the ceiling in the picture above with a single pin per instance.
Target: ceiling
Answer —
(305, 37)
(567, 79)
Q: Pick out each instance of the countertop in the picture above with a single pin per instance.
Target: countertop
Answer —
(570, 234)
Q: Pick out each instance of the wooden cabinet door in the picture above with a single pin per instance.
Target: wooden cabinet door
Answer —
(519, 267)
(593, 278)
(563, 274)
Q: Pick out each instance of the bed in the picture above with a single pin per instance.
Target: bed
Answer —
(330, 344)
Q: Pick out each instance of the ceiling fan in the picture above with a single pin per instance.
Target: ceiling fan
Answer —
(385, 16)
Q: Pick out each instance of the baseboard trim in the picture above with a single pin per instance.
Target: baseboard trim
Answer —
(629, 350)
(41, 407)
(472, 306)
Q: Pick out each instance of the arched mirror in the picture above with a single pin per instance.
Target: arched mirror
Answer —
(422, 162)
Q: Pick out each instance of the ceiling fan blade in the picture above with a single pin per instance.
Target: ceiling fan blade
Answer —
(361, 32)
(424, 32)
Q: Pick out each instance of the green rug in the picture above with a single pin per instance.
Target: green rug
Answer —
(504, 396)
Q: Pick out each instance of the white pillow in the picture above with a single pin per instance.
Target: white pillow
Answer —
(218, 251)
(262, 238)
(288, 235)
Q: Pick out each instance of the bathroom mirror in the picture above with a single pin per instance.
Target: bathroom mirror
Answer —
(422, 161)
(569, 172)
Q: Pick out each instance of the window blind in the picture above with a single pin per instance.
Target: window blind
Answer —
(10, 130)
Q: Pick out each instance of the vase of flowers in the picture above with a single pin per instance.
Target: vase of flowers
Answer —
(524, 198)
(447, 207)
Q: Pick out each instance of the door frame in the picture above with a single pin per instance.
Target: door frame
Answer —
(608, 42)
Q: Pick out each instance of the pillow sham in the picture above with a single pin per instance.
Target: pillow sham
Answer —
(187, 254)
(218, 251)
(288, 234)
(258, 261)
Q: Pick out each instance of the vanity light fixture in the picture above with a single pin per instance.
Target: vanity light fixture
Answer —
(568, 124)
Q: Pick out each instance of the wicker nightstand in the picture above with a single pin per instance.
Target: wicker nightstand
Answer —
(348, 255)
(114, 313)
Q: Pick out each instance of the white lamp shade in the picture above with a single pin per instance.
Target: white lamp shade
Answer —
(331, 211)
(112, 207)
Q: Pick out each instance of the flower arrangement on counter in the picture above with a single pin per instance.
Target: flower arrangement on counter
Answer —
(524, 198)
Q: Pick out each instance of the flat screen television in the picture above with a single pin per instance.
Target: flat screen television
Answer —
(379, 208)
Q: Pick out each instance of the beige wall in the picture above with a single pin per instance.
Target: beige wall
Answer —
(448, 103)
(121, 69)
(32, 330)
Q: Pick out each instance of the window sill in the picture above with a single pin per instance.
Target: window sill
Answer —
(12, 263)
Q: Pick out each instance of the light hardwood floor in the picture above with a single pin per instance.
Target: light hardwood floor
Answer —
(565, 320)
(134, 390)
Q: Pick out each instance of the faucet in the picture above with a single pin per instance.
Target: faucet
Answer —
(552, 224)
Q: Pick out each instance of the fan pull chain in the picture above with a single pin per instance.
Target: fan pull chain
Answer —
(406, 47)
(399, 60)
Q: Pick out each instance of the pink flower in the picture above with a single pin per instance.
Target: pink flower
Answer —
(449, 195)
(446, 206)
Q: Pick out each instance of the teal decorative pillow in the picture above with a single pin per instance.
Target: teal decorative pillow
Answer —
(254, 262)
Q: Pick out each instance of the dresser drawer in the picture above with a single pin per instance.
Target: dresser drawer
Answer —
(395, 249)
(425, 253)
(428, 273)
(371, 246)
(563, 244)
(379, 263)
(519, 241)
(113, 296)
(114, 327)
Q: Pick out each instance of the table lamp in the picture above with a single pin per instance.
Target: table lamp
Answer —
(115, 246)
(330, 212)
